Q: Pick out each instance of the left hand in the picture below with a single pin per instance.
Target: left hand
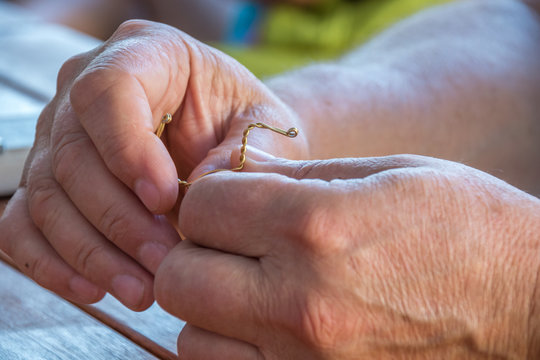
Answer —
(379, 258)
(86, 218)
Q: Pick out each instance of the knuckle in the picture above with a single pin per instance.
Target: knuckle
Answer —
(67, 153)
(86, 87)
(406, 160)
(87, 257)
(116, 150)
(317, 223)
(98, 77)
(69, 70)
(44, 123)
(303, 169)
(39, 269)
(132, 27)
(114, 223)
(41, 195)
(318, 324)
(113, 146)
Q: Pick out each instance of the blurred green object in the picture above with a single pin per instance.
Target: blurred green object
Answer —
(293, 36)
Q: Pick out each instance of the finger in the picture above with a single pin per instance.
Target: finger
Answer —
(281, 198)
(192, 280)
(226, 154)
(120, 98)
(31, 252)
(227, 211)
(344, 168)
(196, 343)
(80, 245)
(113, 210)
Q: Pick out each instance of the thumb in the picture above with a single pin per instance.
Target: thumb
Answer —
(330, 169)
(227, 154)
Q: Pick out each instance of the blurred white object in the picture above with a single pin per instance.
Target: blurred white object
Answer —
(32, 52)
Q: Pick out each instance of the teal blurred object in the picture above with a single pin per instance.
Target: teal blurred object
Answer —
(244, 29)
(292, 36)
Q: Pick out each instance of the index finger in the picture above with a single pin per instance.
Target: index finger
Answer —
(245, 213)
(192, 280)
(120, 98)
(239, 212)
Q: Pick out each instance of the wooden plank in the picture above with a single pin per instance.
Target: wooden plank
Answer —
(36, 324)
(153, 329)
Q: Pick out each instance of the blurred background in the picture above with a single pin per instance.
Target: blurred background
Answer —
(267, 36)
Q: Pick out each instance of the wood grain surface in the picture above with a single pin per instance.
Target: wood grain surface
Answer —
(154, 329)
(35, 323)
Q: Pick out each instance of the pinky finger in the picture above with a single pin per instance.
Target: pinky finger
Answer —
(30, 251)
(198, 344)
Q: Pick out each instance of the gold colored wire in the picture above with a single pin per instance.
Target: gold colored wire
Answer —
(167, 118)
(292, 132)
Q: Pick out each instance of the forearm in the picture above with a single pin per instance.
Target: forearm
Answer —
(456, 82)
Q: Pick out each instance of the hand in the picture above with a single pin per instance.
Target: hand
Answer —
(377, 258)
(82, 221)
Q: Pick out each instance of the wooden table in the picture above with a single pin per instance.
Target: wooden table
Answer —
(35, 323)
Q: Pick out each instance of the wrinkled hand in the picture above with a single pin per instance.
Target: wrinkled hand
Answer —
(82, 221)
(382, 258)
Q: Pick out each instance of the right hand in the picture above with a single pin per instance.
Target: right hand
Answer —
(398, 257)
(83, 220)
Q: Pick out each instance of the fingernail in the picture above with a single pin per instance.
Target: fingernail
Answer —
(148, 194)
(152, 254)
(84, 288)
(128, 289)
(258, 155)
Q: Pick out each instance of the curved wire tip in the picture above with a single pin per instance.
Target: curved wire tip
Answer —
(292, 133)
(167, 118)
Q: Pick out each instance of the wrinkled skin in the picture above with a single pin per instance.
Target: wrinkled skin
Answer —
(98, 133)
(401, 257)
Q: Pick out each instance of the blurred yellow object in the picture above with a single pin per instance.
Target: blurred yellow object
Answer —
(292, 36)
